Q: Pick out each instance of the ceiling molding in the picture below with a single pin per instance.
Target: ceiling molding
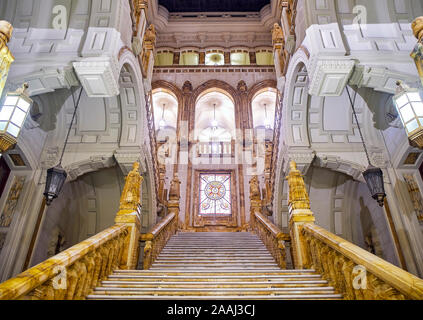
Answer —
(245, 31)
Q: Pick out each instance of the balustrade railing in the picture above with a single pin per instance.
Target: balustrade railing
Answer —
(273, 238)
(352, 271)
(74, 273)
(224, 149)
(157, 239)
(355, 272)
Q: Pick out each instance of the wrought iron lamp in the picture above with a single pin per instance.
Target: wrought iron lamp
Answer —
(409, 103)
(56, 176)
(13, 113)
(373, 175)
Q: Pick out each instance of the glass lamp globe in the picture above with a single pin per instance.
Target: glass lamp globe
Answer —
(409, 103)
(13, 113)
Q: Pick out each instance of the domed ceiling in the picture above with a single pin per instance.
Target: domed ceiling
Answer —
(214, 5)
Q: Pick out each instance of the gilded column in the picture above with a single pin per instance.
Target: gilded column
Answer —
(417, 53)
(130, 215)
(300, 213)
(6, 57)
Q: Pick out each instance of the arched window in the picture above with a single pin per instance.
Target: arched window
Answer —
(263, 108)
(189, 57)
(240, 57)
(264, 57)
(215, 58)
(165, 106)
(164, 58)
(215, 122)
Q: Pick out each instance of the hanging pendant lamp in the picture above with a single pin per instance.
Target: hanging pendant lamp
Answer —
(373, 175)
(56, 177)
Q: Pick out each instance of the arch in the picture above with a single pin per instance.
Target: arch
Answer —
(216, 104)
(129, 119)
(253, 91)
(162, 84)
(207, 86)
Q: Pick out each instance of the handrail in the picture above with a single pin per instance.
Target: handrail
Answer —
(272, 236)
(72, 274)
(162, 224)
(336, 258)
(157, 239)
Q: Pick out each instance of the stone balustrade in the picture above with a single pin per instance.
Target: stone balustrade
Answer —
(157, 238)
(354, 272)
(272, 237)
(72, 274)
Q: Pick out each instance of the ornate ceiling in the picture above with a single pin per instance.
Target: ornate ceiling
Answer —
(214, 5)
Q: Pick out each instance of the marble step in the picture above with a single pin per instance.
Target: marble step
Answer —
(218, 298)
(269, 278)
(214, 250)
(204, 273)
(215, 256)
(212, 260)
(214, 284)
(205, 264)
(213, 291)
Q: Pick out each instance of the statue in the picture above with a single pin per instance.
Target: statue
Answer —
(175, 188)
(242, 86)
(417, 53)
(277, 34)
(255, 189)
(131, 195)
(187, 88)
(417, 27)
(150, 34)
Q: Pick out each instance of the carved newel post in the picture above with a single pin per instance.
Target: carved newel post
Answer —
(174, 195)
(300, 213)
(6, 57)
(130, 215)
(255, 200)
(417, 53)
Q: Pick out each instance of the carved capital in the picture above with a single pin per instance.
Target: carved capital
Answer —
(303, 160)
(329, 76)
(99, 76)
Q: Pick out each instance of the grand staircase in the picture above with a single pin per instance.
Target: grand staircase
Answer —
(222, 266)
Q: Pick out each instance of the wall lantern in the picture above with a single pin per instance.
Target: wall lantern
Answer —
(56, 177)
(409, 103)
(373, 175)
(13, 113)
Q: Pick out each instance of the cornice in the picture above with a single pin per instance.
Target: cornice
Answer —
(252, 28)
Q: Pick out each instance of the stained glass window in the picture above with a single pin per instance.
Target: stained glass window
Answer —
(215, 194)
